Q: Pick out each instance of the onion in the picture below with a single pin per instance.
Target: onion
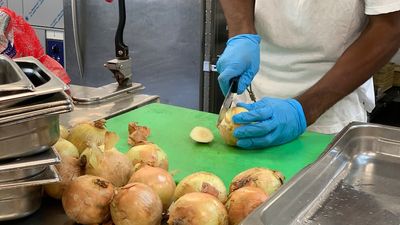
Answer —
(148, 154)
(197, 209)
(202, 182)
(64, 132)
(109, 164)
(87, 199)
(137, 134)
(202, 135)
(266, 179)
(159, 180)
(66, 148)
(85, 134)
(136, 204)
(68, 169)
(242, 202)
(227, 126)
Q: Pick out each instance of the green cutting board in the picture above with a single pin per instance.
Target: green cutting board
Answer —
(170, 128)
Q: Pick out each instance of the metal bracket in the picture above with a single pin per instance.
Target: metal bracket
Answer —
(122, 70)
(208, 67)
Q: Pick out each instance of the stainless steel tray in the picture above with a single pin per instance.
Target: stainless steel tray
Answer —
(12, 78)
(356, 181)
(38, 103)
(29, 136)
(43, 80)
(27, 167)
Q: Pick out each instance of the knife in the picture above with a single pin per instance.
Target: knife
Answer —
(228, 99)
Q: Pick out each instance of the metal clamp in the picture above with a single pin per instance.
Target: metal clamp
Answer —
(122, 70)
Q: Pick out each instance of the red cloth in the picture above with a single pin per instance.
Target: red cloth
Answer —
(21, 40)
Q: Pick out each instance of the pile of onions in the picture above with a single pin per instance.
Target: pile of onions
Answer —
(68, 169)
(107, 163)
(227, 126)
(148, 154)
(159, 180)
(202, 182)
(87, 200)
(242, 202)
(265, 179)
(136, 204)
(91, 133)
(197, 209)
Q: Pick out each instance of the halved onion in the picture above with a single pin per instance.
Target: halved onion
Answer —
(268, 180)
(202, 182)
(197, 209)
(202, 135)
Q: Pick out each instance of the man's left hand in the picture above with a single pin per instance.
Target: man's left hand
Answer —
(269, 122)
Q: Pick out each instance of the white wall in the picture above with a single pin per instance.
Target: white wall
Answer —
(396, 58)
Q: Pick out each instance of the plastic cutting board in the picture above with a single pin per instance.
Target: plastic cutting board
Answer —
(170, 128)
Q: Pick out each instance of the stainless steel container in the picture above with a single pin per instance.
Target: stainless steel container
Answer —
(12, 78)
(28, 137)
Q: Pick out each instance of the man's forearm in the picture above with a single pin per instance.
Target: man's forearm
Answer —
(240, 16)
(375, 47)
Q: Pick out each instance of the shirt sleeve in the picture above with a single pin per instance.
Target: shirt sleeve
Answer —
(376, 7)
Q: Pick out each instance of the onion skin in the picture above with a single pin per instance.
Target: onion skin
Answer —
(148, 154)
(66, 148)
(136, 204)
(242, 202)
(202, 182)
(227, 126)
(159, 180)
(68, 169)
(64, 132)
(197, 209)
(267, 180)
(84, 134)
(109, 164)
(87, 199)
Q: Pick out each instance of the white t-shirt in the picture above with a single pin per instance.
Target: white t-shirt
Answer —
(302, 40)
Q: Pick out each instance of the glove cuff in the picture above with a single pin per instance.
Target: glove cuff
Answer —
(255, 38)
(302, 117)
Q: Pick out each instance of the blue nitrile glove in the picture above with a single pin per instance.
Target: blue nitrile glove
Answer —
(241, 58)
(269, 122)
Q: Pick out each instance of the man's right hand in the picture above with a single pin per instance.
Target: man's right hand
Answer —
(241, 58)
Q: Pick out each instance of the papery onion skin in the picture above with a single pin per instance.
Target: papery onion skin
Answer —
(202, 182)
(136, 204)
(68, 169)
(66, 148)
(109, 164)
(227, 126)
(87, 199)
(64, 132)
(159, 180)
(242, 202)
(268, 180)
(84, 134)
(148, 154)
(197, 209)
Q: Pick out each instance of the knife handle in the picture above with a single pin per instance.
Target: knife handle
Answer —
(234, 83)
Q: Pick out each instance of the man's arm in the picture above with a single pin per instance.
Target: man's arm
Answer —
(240, 16)
(376, 45)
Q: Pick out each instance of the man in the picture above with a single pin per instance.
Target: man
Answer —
(317, 58)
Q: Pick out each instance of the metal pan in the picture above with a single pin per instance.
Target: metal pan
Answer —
(356, 181)
(38, 103)
(43, 80)
(29, 136)
(12, 78)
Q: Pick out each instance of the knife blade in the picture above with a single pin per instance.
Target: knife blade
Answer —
(227, 103)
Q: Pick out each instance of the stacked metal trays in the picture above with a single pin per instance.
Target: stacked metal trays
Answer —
(31, 100)
(356, 181)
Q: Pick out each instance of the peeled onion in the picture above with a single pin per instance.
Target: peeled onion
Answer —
(68, 169)
(202, 135)
(197, 209)
(268, 180)
(66, 148)
(202, 182)
(64, 132)
(84, 135)
(227, 126)
(87, 199)
(109, 164)
(242, 202)
(159, 180)
(148, 154)
(136, 204)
